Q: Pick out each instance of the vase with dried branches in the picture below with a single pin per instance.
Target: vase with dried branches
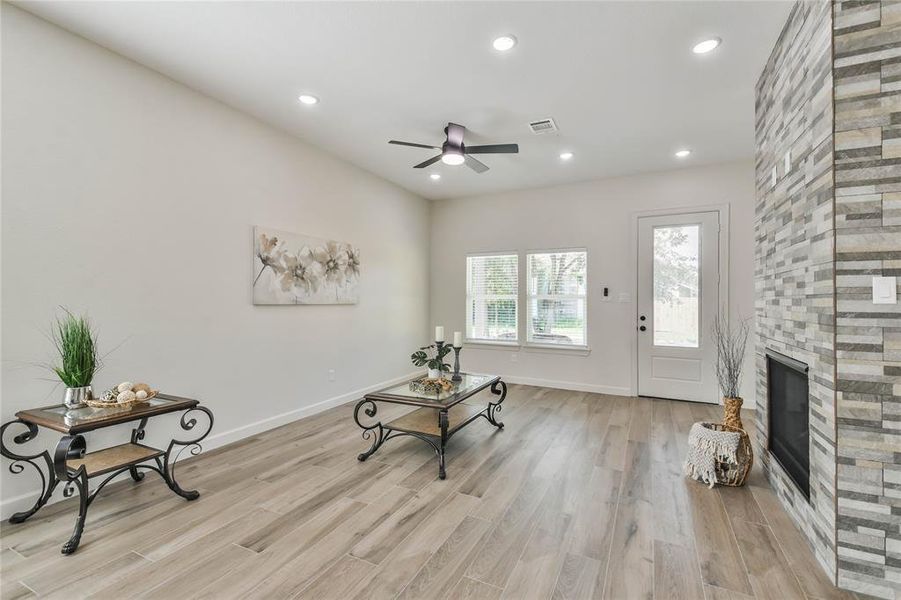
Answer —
(731, 340)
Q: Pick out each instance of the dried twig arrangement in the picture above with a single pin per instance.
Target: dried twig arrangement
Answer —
(731, 341)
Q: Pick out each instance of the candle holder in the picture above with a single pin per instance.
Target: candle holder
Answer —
(457, 376)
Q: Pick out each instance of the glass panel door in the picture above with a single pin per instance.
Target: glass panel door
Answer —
(678, 295)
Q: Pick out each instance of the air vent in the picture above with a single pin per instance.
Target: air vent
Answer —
(543, 126)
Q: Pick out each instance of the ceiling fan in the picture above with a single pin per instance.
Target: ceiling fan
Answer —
(455, 152)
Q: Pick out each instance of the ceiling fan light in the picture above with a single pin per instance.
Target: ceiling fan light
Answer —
(452, 158)
(435, 176)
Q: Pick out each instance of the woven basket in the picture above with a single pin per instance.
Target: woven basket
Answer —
(95, 403)
(729, 474)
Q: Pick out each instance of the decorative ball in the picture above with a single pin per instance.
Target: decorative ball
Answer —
(125, 386)
(109, 395)
(125, 397)
(138, 387)
(140, 394)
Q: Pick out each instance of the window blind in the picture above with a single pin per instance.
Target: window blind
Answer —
(557, 298)
(492, 291)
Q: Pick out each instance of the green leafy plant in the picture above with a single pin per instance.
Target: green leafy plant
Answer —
(76, 344)
(432, 357)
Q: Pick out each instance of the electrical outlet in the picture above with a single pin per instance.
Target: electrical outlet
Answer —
(514, 357)
(885, 290)
(331, 374)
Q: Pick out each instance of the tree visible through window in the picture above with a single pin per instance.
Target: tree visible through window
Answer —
(492, 289)
(676, 285)
(556, 308)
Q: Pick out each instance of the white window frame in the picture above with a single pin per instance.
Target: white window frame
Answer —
(517, 300)
(529, 296)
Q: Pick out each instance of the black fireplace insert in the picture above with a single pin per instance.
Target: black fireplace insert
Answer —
(789, 417)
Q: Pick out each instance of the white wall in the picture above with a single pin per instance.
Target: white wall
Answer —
(132, 197)
(598, 216)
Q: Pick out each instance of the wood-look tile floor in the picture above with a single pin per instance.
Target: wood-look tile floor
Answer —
(581, 496)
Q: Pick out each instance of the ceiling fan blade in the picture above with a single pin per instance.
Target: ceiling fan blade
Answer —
(493, 149)
(455, 134)
(426, 163)
(476, 165)
(412, 144)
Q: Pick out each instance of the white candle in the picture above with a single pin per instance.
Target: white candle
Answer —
(439, 333)
(458, 339)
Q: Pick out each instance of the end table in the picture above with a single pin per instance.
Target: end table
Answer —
(73, 466)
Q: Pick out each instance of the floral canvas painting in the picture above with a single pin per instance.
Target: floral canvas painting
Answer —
(290, 268)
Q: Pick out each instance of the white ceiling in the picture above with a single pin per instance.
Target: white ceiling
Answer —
(619, 78)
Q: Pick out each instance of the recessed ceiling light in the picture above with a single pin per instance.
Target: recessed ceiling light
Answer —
(308, 99)
(706, 46)
(435, 176)
(504, 43)
(566, 155)
(683, 153)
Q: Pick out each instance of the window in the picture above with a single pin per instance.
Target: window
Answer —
(676, 285)
(556, 300)
(492, 290)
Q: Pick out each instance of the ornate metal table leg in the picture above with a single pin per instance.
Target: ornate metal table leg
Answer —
(375, 431)
(48, 480)
(442, 423)
(80, 482)
(137, 434)
(71, 446)
(495, 407)
(167, 465)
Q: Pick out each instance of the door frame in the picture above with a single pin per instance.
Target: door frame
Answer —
(725, 242)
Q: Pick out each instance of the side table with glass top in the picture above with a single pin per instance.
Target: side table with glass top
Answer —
(440, 414)
(73, 466)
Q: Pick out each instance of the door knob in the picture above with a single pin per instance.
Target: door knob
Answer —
(642, 328)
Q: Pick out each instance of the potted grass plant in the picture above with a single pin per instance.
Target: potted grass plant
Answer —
(76, 344)
(432, 357)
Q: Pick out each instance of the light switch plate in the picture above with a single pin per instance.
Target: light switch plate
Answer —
(885, 290)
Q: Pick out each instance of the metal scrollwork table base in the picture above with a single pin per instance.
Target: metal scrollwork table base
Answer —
(439, 416)
(73, 467)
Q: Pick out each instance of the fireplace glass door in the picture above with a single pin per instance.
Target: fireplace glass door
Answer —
(788, 416)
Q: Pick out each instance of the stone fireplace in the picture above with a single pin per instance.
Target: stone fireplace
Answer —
(828, 219)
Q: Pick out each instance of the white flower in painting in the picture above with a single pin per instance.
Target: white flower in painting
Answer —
(333, 259)
(302, 271)
(271, 254)
(353, 262)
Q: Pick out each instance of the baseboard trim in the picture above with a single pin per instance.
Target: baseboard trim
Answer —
(570, 385)
(239, 433)
(217, 440)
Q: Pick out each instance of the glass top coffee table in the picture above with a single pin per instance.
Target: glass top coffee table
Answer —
(440, 414)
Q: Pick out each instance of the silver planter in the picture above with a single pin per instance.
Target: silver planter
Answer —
(75, 397)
